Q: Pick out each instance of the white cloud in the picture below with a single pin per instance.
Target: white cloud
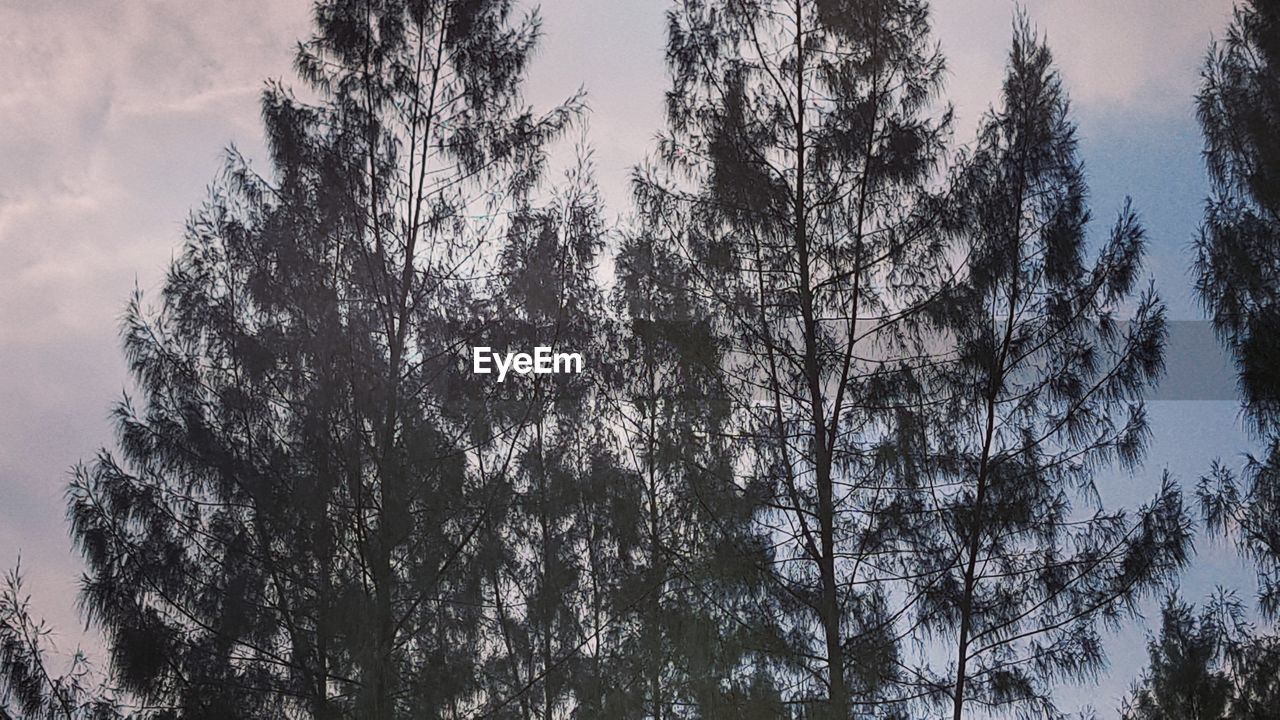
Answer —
(113, 114)
(1139, 57)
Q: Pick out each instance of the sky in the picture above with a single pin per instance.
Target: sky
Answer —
(115, 115)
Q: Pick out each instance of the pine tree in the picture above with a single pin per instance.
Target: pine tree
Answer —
(800, 143)
(1183, 682)
(1019, 563)
(691, 646)
(30, 687)
(1238, 269)
(1208, 665)
(553, 587)
(293, 525)
(1237, 273)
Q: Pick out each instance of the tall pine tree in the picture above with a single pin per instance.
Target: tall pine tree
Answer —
(1238, 269)
(1020, 564)
(292, 524)
(693, 647)
(558, 550)
(800, 142)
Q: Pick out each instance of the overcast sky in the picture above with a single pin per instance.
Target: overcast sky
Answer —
(114, 115)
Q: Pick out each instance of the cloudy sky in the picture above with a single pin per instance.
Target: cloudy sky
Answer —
(114, 115)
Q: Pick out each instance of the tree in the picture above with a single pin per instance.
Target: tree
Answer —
(695, 646)
(1206, 666)
(800, 142)
(562, 541)
(1019, 563)
(294, 524)
(1237, 269)
(1183, 682)
(30, 689)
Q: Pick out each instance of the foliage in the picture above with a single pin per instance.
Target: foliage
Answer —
(801, 139)
(1020, 566)
(834, 454)
(1206, 666)
(293, 524)
(1238, 269)
(30, 689)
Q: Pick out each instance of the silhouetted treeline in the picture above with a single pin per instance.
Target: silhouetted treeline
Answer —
(771, 494)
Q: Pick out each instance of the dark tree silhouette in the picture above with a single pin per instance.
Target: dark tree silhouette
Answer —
(1206, 666)
(1183, 682)
(559, 548)
(1044, 391)
(1238, 269)
(799, 143)
(1215, 666)
(292, 525)
(30, 687)
(695, 646)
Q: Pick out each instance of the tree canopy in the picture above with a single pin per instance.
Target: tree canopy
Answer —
(850, 387)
